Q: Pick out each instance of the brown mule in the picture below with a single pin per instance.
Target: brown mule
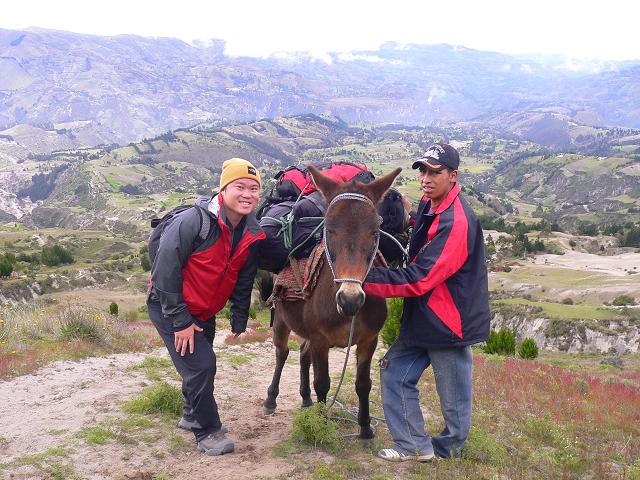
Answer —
(352, 229)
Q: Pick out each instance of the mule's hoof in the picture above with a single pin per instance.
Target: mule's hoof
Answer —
(307, 403)
(366, 433)
(268, 410)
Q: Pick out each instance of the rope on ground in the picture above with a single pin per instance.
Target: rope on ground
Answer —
(353, 412)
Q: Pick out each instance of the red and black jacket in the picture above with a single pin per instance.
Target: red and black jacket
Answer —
(198, 283)
(445, 285)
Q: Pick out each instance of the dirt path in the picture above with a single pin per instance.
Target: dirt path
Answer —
(48, 409)
(617, 265)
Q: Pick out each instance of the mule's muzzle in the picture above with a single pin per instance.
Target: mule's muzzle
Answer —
(349, 299)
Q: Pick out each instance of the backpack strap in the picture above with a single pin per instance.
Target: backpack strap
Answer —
(322, 206)
(205, 228)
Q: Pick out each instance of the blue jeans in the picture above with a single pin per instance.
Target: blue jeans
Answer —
(400, 370)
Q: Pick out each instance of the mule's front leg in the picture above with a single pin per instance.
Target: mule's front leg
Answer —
(363, 385)
(321, 379)
(280, 341)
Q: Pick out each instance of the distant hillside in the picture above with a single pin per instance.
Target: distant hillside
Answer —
(84, 90)
(119, 188)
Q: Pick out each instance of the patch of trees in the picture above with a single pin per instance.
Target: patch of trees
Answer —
(130, 189)
(498, 223)
(56, 255)
(631, 237)
(6, 264)
(145, 160)
(42, 184)
(628, 235)
(587, 229)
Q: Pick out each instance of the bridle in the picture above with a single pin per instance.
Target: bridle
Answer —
(361, 198)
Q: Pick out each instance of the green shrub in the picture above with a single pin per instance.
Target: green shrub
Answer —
(391, 328)
(113, 308)
(482, 448)
(162, 398)
(6, 267)
(312, 427)
(622, 300)
(567, 301)
(55, 255)
(528, 348)
(145, 262)
(502, 342)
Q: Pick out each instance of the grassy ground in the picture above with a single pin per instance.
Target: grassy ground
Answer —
(562, 311)
(531, 420)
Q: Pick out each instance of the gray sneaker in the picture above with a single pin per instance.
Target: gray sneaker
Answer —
(216, 444)
(193, 424)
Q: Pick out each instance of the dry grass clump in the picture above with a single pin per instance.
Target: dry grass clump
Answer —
(36, 333)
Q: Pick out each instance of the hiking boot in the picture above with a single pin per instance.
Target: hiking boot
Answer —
(187, 424)
(216, 444)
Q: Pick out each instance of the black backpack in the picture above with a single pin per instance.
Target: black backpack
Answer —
(273, 251)
(394, 223)
(159, 224)
(308, 214)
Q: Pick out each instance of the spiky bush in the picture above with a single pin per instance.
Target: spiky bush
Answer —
(391, 328)
(312, 427)
(77, 327)
(528, 349)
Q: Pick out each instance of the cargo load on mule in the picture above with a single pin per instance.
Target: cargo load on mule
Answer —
(292, 214)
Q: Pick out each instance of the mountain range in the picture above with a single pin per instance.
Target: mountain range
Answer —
(60, 90)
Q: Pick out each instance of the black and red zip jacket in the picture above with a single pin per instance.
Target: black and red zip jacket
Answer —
(445, 286)
(198, 283)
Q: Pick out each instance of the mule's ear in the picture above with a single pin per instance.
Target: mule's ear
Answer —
(379, 187)
(326, 185)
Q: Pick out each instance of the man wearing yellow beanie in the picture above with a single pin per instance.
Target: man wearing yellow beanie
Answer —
(206, 256)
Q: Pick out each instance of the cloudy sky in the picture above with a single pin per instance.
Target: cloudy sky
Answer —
(576, 29)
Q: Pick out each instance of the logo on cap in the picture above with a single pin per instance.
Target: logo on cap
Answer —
(434, 152)
(251, 170)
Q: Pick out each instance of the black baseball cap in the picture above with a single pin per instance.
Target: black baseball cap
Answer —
(438, 156)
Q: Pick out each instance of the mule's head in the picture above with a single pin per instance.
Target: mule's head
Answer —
(352, 230)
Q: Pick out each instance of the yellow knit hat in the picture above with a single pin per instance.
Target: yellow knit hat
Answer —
(236, 168)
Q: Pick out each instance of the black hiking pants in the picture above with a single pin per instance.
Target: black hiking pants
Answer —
(197, 370)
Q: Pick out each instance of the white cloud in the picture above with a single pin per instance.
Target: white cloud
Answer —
(350, 57)
(526, 68)
(256, 27)
(435, 93)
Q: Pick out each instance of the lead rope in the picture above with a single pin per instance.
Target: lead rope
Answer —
(344, 366)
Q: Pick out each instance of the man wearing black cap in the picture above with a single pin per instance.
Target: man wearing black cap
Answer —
(446, 310)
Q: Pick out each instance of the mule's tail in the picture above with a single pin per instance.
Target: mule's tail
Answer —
(264, 282)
